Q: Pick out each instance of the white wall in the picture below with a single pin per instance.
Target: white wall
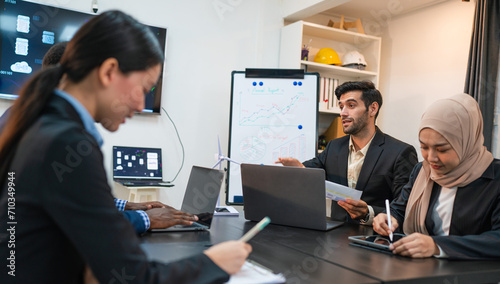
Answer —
(424, 58)
(206, 41)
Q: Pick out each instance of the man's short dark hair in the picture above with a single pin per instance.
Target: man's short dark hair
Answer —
(369, 93)
(54, 54)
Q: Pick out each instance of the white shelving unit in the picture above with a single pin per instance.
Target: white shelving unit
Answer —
(300, 33)
(294, 36)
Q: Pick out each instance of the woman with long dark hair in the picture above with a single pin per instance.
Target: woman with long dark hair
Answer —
(57, 212)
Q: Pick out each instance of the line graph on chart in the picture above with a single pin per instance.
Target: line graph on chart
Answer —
(280, 108)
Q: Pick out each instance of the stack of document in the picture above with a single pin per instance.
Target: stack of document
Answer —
(254, 273)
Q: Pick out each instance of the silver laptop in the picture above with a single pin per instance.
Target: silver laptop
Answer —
(288, 195)
(200, 199)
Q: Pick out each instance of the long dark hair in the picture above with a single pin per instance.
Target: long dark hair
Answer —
(112, 34)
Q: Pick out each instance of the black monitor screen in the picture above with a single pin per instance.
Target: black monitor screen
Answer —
(28, 31)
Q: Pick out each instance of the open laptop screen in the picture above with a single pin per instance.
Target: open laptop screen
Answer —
(202, 192)
(137, 163)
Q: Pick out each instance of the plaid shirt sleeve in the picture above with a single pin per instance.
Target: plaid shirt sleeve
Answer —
(145, 218)
(120, 204)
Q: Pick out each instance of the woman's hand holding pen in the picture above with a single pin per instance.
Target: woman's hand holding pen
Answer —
(380, 224)
(229, 256)
(415, 245)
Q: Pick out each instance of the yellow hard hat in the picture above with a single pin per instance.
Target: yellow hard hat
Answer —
(327, 56)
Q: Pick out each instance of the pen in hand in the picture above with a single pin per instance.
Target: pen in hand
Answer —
(388, 210)
(257, 228)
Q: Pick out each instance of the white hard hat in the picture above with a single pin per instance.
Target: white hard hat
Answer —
(354, 59)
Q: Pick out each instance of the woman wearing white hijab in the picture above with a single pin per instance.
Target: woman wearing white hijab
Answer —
(451, 205)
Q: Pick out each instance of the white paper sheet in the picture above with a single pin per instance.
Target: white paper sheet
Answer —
(253, 273)
(339, 192)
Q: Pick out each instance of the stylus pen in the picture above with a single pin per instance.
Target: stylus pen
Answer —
(256, 229)
(388, 209)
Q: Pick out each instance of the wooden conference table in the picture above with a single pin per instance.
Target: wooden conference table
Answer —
(309, 256)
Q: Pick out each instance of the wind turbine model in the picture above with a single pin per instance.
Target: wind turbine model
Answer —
(219, 157)
(223, 210)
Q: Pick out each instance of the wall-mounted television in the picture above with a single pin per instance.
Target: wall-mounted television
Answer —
(29, 29)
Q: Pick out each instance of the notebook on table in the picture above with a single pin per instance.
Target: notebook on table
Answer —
(288, 195)
(200, 198)
(138, 166)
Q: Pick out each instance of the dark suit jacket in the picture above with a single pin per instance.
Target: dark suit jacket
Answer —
(386, 169)
(475, 220)
(66, 216)
(132, 216)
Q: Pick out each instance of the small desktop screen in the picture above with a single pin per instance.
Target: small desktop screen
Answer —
(137, 163)
(28, 30)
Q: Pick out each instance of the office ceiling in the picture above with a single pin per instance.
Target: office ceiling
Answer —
(371, 9)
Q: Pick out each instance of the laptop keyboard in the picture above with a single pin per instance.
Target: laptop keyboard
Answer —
(194, 225)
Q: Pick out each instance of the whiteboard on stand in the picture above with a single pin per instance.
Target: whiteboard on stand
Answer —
(274, 113)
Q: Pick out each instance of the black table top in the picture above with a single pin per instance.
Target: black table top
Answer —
(309, 256)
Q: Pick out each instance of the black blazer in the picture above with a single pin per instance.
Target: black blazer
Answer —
(66, 216)
(386, 169)
(475, 220)
(132, 216)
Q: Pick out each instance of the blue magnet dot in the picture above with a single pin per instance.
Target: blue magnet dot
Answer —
(300, 126)
(260, 83)
(254, 83)
(300, 83)
(295, 83)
